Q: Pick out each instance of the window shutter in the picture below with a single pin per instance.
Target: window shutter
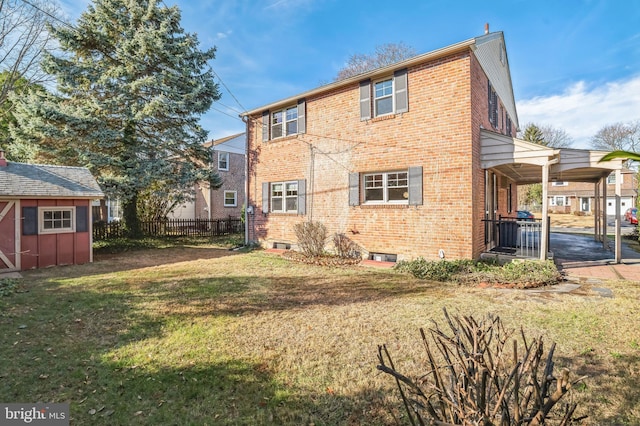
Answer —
(265, 197)
(302, 196)
(82, 219)
(302, 118)
(401, 93)
(365, 100)
(29, 221)
(415, 186)
(265, 126)
(354, 189)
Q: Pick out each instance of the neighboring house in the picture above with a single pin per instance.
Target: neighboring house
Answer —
(45, 215)
(573, 197)
(414, 159)
(228, 160)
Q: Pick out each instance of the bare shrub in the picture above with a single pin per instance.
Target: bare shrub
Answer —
(345, 247)
(312, 237)
(474, 376)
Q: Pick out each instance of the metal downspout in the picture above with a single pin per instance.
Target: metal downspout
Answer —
(246, 181)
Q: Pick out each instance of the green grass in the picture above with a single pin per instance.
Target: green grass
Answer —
(198, 334)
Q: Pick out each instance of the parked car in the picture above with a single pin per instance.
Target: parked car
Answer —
(631, 215)
(525, 215)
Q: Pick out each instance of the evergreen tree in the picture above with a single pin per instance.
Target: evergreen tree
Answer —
(132, 86)
(532, 133)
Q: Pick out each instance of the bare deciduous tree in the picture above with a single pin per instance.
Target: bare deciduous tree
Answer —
(618, 137)
(23, 38)
(384, 54)
(547, 135)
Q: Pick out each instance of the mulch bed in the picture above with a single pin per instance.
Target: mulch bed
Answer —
(326, 260)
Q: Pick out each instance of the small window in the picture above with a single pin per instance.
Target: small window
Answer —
(223, 161)
(383, 188)
(284, 122)
(284, 197)
(611, 179)
(230, 198)
(559, 183)
(383, 97)
(57, 220)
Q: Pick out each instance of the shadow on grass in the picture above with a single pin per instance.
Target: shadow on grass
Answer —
(609, 378)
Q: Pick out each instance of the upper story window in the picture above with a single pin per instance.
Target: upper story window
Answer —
(611, 179)
(284, 122)
(223, 161)
(390, 187)
(493, 105)
(559, 183)
(385, 96)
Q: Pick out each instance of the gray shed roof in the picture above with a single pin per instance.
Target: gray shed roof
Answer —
(20, 180)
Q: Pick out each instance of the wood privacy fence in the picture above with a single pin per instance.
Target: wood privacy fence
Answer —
(172, 228)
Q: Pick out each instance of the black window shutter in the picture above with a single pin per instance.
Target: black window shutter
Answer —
(302, 196)
(302, 119)
(354, 189)
(265, 126)
(490, 101)
(401, 93)
(29, 221)
(82, 219)
(265, 197)
(365, 100)
(415, 186)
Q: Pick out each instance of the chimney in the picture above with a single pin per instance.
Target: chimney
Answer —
(486, 28)
(3, 161)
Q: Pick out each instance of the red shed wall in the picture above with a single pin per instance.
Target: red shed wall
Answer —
(43, 250)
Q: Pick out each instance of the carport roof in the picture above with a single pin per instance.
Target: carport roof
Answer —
(522, 161)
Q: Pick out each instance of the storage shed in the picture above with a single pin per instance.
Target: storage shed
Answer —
(45, 215)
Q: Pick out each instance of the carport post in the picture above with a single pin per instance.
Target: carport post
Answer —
(544, 246)
(618, 255)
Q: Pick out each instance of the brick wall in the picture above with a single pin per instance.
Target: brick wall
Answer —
(440, 132)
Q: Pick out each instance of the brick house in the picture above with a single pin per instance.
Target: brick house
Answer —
(412, 159)
(228, 160)
(579, 197)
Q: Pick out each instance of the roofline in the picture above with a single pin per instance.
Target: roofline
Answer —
(434, 54)
(52, 197)
(224, 139)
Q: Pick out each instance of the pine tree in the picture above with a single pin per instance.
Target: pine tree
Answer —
(132, 86)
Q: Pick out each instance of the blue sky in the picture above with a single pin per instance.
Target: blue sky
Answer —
(575, 64)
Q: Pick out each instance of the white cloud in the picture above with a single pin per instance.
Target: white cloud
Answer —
(582, 110)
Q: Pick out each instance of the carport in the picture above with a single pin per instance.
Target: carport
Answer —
(526, 163)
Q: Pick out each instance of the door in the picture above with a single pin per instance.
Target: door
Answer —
(9, 236)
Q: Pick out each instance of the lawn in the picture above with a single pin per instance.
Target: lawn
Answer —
(203, 335)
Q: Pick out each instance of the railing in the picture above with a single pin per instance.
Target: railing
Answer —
(520, 238)
(172, 228)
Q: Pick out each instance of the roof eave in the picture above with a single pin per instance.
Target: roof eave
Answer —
(425, 57)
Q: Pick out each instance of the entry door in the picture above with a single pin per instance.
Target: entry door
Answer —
(9, 236)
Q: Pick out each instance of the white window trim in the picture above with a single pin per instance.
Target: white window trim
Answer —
(235, 198)
(392, 96)
(560, 183)
(556, 197)
(220, 156)
(41, 212)
(385, 188)
(283, 197)
(284, 121)
(611, 179)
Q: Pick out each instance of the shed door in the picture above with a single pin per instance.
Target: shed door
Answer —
(9, 236)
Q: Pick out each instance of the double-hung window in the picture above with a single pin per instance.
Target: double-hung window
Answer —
(284, 197)
(223, 161)
(559, 201)
(389, 187)
(383, 97)
(230, 198)
(284, 122)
